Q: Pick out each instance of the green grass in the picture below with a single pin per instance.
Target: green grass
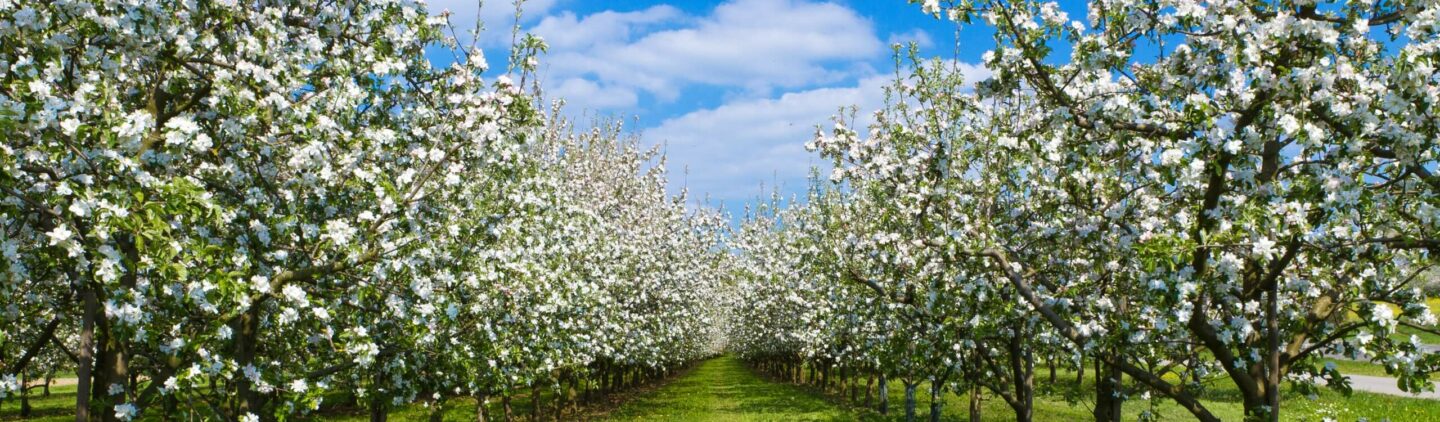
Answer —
(723, 389)
(1222, 400)
(1403, 333)
(1355, 367)
(60, 406)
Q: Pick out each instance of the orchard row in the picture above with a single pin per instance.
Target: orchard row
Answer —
(1185, 195)
(234, 210)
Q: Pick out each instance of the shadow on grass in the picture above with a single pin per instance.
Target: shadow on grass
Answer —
(56, 407)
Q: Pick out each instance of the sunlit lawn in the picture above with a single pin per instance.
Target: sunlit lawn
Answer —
(1223, 401)
(723, 389)
(60, 406)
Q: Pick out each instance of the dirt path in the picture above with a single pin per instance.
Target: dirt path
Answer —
(1386, 385)
(56, 382)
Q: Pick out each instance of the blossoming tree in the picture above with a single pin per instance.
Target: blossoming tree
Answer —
(1183, 191)
(240, 207)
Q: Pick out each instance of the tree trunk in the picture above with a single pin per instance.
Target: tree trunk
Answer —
(869, 388)
(378, 412)
(574, 392)
(935, 401)
(245, 334)
(1272, 379)
(585, 388)
(110, 369)
(1022, 366)
(437, 410)
(1255, 404)
(172, 406)
(481, 413)
(114, 364)
(537, 407)
(910, 401)
(85, 373)
(1051, 363)
(884, 395)
(557, 404)
(505, 404)
(1108, 404)
(975, 404)
(24, 395)
(853, 385)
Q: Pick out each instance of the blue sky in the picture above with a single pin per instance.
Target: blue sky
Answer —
(732, 89)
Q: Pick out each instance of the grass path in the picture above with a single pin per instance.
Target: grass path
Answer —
(723, 389)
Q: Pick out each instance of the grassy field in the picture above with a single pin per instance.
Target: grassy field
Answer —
(723, 389)
(1352, 367)
(1052, 405)
(60, 407)
(1403, 333)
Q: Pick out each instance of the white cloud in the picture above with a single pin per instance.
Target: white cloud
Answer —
(752, 45)
(583, 95)
(820, 52)
(731, 149)
(566, 32)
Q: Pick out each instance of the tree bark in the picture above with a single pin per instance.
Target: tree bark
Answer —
(1051, 363)
(505, 404)
(910, 401)
(1068, 330)
(574, 392)
(24, 396)
(378, 412)
(975, 404)
(869, 388)
(1022, 366)
(935, 402)
(481, 413)
(111, 368)
(537, 407)
(1272, 378)
(85, 372)
(884, 395)
(437, 410)
(245, 334)
(1108, 405)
